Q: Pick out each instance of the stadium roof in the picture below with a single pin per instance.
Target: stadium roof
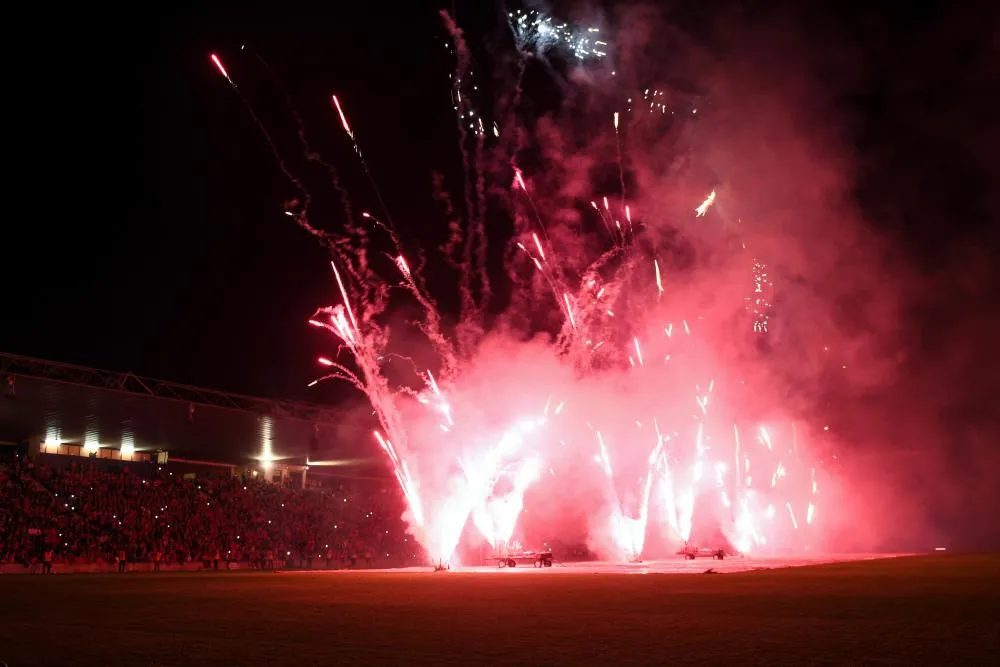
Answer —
(67, 403)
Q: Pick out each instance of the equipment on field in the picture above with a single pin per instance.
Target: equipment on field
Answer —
(690, 552)
(511, 555)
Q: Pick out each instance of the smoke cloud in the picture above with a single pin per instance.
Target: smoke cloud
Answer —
(779, 370)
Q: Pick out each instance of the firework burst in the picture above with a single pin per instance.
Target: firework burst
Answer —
(538, 32)
(630, 381)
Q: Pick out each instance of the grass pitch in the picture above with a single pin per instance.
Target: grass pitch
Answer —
(920, 610)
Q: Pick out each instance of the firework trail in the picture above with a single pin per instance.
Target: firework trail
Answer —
(703, 207)
(301, 216)
(632, 370)
(295, 208)
(757, 302)
(621, 170)
(473, 259)
(222, 69)
(364, 166)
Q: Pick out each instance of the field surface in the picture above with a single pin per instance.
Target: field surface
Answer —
(923, 610)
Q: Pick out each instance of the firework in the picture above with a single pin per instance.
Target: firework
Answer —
(222, 68)
(630, 382)
(538, 32)
(703, 207)
(758, 303)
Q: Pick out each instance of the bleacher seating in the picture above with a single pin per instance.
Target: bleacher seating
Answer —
(84, 515)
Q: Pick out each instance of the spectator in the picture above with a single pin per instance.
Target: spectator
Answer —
(83, 514)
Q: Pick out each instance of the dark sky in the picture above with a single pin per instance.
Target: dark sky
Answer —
(146, 231)
(150, 236)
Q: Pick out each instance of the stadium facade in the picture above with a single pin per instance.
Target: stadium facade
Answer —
(66, 409)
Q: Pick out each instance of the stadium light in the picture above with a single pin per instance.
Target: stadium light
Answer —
(266, 457)
(53, 437)
(127, 448)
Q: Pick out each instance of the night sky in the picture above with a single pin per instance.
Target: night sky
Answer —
(146, 232)
(153, 239)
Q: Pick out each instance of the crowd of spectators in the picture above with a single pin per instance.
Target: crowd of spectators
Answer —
(82, 514)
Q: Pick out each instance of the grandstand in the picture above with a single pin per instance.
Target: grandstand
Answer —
(55, 409)
(104, 471)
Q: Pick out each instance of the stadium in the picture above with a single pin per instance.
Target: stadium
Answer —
(70, 410)
(105, 444)
(596, 340)
(118, 427)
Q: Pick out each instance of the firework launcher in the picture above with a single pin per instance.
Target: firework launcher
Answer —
(690, 552)
(510, 555)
